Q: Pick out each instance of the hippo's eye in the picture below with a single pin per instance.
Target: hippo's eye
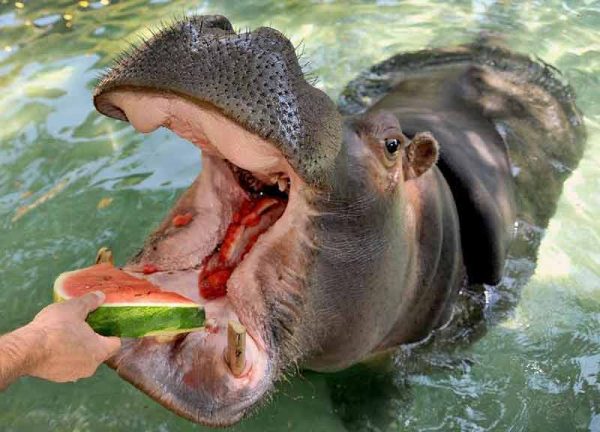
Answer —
(392, 145)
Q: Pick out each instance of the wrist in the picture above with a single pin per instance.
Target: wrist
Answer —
(31, 342)
(18, 354)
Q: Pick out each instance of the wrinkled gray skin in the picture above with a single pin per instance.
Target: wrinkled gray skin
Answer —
(389, 255)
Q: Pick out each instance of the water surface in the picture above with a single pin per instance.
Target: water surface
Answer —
(71, 181)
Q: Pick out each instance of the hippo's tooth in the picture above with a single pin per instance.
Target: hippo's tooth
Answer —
(236, 347)
(283, 183)
(104, 255)
(211, 325)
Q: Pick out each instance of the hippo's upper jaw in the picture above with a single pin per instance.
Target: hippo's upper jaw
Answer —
(251, 78)
(239, 239)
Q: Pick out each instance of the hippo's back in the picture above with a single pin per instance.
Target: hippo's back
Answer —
(509, 133)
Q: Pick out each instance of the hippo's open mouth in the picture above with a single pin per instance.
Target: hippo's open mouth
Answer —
(212, 247)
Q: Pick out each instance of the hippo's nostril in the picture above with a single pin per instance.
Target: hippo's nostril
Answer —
(205, 23)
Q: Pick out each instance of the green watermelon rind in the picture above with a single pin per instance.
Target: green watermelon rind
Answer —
(139, 319)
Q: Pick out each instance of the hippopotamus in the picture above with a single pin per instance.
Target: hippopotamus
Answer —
(348, 231)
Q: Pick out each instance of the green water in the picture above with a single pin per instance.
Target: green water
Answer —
(71, 181)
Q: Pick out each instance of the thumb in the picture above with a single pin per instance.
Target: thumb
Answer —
(83, 305)
(111, 346)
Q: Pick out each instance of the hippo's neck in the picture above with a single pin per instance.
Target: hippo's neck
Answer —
(437, 270)
(383, 269)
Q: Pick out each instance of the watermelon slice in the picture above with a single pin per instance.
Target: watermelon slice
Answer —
(133, 307)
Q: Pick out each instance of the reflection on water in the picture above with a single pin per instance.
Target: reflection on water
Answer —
(71, 180)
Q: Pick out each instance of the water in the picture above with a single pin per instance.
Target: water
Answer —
(71, 181)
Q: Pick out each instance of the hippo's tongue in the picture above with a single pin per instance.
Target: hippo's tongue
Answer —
(252, 220)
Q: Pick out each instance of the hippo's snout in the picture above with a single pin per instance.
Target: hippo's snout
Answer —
(252, 78)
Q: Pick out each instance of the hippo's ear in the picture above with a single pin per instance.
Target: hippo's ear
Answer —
(421, 154)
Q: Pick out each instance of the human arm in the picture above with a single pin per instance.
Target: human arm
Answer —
(58, 345)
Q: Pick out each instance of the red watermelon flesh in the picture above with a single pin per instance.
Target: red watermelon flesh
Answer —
(118, 286)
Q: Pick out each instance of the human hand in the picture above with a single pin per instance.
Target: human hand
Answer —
(70, 349)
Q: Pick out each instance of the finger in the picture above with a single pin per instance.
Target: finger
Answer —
(83, 305)
(112, 345)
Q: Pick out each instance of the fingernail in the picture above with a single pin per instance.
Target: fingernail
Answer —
(101, 296)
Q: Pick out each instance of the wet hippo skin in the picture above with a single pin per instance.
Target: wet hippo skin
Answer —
(373, 214)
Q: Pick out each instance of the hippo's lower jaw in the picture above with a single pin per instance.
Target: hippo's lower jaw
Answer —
(240, 254)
